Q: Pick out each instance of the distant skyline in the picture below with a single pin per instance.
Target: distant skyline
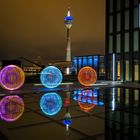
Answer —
(36, 28)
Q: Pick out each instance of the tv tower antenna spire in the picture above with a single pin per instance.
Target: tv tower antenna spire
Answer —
(68, 22)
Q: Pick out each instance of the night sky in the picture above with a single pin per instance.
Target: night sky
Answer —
(31, 28)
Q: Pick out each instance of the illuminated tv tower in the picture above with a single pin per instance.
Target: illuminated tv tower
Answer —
(68, 22)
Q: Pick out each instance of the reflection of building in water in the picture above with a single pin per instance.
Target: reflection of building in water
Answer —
(50, 103)
(87, 76)
(86, 99)
(11, 108)
(122, 114)
(67, 117)
(90, 96)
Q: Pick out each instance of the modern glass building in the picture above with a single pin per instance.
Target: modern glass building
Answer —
(123, 40)
(95, 61)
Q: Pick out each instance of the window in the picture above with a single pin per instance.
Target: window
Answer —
(126, 96)
(118, 5)
(136, 71)
(95, 62)
(110, 44)
(126, 20)
(118, 43)
(136, 41)
(111, 24)
(136, 17)
(136, 2)
(126, 45)
(118, 70)
(111, 6)
(126, 3)
(136, 95)
(79, 62)
(75, 65)
(110, 68)
(118, 22)
(127, 70)
(90, 59)
(84, 61)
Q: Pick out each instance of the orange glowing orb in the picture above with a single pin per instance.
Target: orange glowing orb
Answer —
(85, 106)
(87, 76)
(85, 100)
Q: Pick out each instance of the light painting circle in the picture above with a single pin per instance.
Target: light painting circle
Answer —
(51, 77)
(87, 76)
(12, 77)
(50, 103)
(85, 100)
(11, 108)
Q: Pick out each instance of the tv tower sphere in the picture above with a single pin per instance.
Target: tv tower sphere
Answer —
(68, 19)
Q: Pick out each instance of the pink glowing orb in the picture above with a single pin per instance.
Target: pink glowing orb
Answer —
(12, 77)
(11, 108)
(87, 76)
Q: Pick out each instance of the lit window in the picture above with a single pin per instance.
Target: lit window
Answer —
(118, 22)
(136, 17)
(118, 43)
(126, 3)
(136, 40)
(127, 70)
(126, 42)
(111, 24)
(126, 20)
(118, 5)
(110, 44)
(111, 6)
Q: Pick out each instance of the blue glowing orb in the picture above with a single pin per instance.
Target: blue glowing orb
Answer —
(50, 103)
(51, 77)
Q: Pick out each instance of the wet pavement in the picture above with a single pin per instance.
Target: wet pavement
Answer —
(71, 112)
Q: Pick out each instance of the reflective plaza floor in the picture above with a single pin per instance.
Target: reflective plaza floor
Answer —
(93, 113)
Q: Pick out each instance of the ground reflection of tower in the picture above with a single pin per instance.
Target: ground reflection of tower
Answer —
(68, 22)
(67, 117)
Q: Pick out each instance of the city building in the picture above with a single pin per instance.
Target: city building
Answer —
(29, 67)
(95, 61)
(64, 66)
(122, 40)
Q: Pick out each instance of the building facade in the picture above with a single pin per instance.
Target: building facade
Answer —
(123, 40)
(95, 61)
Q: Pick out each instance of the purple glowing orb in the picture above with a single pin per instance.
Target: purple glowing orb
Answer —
(12, 77)
(11, 108)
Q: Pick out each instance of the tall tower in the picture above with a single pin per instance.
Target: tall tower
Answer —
(68, 22)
